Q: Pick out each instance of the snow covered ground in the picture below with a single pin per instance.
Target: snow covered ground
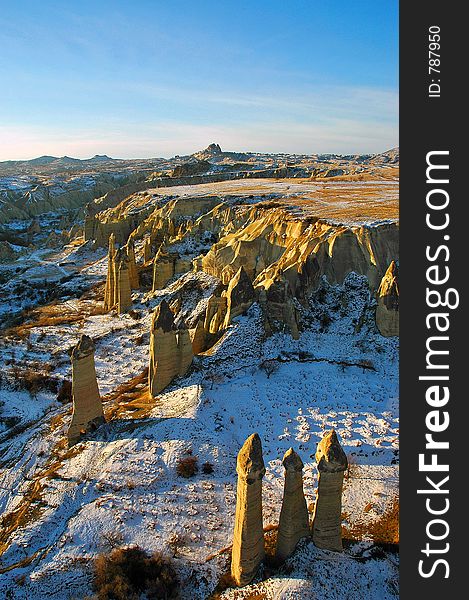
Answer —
(120, 486)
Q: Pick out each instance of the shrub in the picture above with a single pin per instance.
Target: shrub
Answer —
(64, 394)
(207, 468)
(127, 573)
(324, 320)
(270, 366)
(187, 466)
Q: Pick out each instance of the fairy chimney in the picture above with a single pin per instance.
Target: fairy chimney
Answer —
(248, 538)
(215, 313)
(87, 407)
(163, 269)
(294, 519)
(332, 462)
(109, 294)
(123, 292)
(133, 271)
(185, 353)
(170, 350)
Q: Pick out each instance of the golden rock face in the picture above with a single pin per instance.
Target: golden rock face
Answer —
(294, 518)
(170, 350)
(87, 405)
(270, 252)
(387, 310)
(122, 276)
(327, 519)
(248, 538)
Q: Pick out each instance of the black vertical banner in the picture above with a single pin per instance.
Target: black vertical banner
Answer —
(433, 319)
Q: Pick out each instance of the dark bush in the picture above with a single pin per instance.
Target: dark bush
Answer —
(270, 366)
(64, 394)
(187, 466)
(128, 573)
(207, 468)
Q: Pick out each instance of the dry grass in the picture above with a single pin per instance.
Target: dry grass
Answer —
(52, 315)
(207, 468)
(130, 399)
(382, 530)
(29, 510)
(34, 377)
(95, 292)
(342, 203)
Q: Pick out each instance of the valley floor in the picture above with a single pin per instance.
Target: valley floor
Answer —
(63, 507)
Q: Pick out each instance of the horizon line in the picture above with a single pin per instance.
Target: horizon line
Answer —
(273, 152)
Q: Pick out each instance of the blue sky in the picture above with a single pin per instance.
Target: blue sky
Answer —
(150, 78)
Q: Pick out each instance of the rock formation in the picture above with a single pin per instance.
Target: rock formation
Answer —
(147, 250)
(7, 254)
(239, 296)
(387, 310)
(185, 352)
(123, 292)
(278, 307)
(110, 290)
(166, 265)
(294, 520)
(117, 292)
(195, 167)
(163, 269)
(87, 407)
(199, 338)
(283, 253)
(170, 350)
(133, 271)
(332, 462)
(248, 539)
(215, 313)
(33, 229)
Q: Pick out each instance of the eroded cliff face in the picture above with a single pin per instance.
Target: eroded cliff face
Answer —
(260, 251)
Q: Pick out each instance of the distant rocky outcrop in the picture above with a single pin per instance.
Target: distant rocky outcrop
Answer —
(170, 350)
(387, 310)
(87, 407)
(194, 167)
(213, 150)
